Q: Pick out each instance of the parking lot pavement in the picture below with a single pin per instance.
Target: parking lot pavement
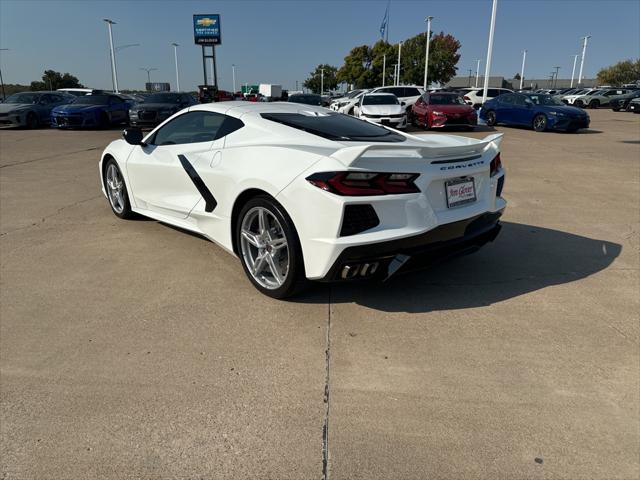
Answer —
(129, 349)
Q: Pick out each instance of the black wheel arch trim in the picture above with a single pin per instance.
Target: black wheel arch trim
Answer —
(209, 199)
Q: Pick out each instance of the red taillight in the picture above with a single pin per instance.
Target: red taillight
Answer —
(364, 183)
(467, 98)
(496, 164)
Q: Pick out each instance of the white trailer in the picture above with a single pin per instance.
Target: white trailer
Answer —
(270, 91)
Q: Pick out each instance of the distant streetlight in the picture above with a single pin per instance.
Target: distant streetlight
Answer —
(584, 51)
(1, 80)
(321, 80)
(426, 54)
(122, 47)
(573, 72)
(524, 58)
(114, 71)
(487, 69)
(233, 69)
(175, 54)
(399, 64)
(395, 73)
(555, 83)
(384, 67)
(478, 72)
(148, 70)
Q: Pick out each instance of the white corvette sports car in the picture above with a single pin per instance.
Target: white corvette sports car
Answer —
(303, 193)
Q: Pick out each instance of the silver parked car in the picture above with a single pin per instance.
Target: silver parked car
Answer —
(31, 109)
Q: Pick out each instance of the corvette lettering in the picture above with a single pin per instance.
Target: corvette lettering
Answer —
(468, 165)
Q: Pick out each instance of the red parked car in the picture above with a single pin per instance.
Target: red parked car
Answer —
(443, 109)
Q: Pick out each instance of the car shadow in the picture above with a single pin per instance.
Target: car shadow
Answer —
(523, 259)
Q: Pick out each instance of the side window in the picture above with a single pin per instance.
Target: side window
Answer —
(115, 101)
(411, 92)
(518, 100)
(46, 99)
(385, 90)
(509, 99)
(196, 127)
(492, 92)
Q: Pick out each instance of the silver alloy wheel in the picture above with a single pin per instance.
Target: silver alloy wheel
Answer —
(115, 188)
(539, 122)
(265, 251)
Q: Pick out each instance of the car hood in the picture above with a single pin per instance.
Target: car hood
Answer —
(381, 109)
(10, 107)
(451, 109)
(77, 108)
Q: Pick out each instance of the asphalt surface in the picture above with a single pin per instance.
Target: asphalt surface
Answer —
(129, 349)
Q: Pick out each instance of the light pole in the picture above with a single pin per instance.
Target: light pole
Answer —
(148, 70)
(122, 47)
(426, 54)
(175, 54)
(321, 80)
(233, 70)
(584, 51)
(487, 69)
(470, 72)
(555, 83)
(399, 64)
(395, 72)
(1, 80)
(524, 58)
(478, 72)
(384, 67)
(114, 71)
(573, 72)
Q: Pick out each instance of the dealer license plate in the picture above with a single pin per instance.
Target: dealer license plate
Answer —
(460, 191)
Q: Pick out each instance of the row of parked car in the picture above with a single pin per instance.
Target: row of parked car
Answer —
(399, 106)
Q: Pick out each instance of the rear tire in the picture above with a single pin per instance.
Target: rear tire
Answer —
(594, 104)
(540, 122)
(491, 119)
(269, 248)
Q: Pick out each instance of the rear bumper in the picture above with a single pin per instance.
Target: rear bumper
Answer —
(417, 252)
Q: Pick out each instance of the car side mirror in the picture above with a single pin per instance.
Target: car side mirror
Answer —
(133, 135)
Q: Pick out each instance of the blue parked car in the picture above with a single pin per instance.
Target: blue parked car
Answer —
(536, 110)
(98, 111)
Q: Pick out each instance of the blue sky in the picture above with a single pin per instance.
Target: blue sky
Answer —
(282, 41)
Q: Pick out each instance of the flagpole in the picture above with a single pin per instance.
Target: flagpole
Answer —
(388, 18)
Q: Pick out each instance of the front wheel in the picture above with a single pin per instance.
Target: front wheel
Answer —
(269, 248)
(490, 118)
(116, 190)
(594, 104)
(540, 123)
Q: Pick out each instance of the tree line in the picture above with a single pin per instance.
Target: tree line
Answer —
(364, 66)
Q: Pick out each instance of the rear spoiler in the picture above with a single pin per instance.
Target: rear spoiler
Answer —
(350, 155)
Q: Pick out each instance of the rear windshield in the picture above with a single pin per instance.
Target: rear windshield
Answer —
(164, 98)
(335, 126)
(380, 100)
(445, 100)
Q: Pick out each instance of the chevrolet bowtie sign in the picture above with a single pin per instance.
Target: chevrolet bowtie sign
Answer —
(206, 29)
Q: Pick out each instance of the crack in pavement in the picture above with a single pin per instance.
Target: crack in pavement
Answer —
(325, 426)
(57, 212)
(49, 157)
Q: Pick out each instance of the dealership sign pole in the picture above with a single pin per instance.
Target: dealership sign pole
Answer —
(524, 59)
(573, 72)
(399, 56)
(487, 69)
(207, 33)
(478, 72)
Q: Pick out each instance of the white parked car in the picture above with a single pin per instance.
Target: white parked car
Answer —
(383, 108)
(299, 192)
(407, 94)
(473, 96)
(570, 99)
(348, 102)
